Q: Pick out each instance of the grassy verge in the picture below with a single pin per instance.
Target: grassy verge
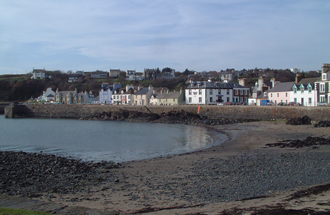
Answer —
(11, 211)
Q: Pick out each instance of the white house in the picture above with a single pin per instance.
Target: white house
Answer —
(304, 94)
(123, 96)
(209, 92)
(39, 74)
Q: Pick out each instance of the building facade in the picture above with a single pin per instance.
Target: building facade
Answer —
(208, 92)
(322, 86)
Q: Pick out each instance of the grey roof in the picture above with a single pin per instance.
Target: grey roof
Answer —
(268, 83)
(309, 80)
(213, 85)
(142, 91)
(282, 87)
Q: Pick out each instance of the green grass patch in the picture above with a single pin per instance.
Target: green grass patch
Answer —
(11, 211)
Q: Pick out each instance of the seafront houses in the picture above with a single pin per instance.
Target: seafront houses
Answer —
(280, 93)
(73, 97)
(143, 95)
(47, 96)
(106, 92)
(123, 96)
(168, 98)
(323, 85)
(259, 88)
(304, 94)
(209, 92)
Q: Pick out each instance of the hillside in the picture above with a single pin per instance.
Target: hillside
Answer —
(21, 87)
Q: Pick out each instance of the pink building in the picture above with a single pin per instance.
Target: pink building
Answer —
(280, 92)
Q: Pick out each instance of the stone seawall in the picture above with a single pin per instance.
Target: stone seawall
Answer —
(113, 112)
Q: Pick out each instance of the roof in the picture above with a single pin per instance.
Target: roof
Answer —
(305, 85)
(282, 87)
(130, 91)
(309, 80)
(142, 91)
(213, 85)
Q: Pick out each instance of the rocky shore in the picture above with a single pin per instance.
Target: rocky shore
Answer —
(31, 174)
(172, 117)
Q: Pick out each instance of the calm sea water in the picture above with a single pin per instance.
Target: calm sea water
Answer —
(102, 140)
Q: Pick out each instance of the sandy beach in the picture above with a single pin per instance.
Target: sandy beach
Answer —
(240, 176)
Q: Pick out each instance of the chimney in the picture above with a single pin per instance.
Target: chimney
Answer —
(242, 82)
(260, 83)
(298, 78)
(273, 82)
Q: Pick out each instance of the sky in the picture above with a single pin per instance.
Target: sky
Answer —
(201, 35)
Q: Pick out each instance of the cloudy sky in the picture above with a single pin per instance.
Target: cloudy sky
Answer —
(136, 34)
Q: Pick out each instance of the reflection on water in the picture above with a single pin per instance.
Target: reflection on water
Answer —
(102, 140)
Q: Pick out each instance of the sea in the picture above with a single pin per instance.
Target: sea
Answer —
(103, 140)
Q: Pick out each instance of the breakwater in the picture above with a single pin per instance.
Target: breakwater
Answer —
(151, 113)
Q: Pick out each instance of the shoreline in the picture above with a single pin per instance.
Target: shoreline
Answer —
(190, 183)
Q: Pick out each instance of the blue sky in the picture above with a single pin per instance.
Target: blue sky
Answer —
(136, 34)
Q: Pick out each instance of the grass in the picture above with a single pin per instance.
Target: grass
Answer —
(11, 211)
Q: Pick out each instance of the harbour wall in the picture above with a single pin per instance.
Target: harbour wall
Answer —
(209, 111)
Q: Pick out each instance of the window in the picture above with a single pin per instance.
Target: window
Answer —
(200, 92)
(227, 99)
(324, 77)
(309, 101)
(245, 92)
(219, 92)
(190, 99)
(190, 92)
(295, 90)
(271, 95)
(309, 89)
(302, 90)
(322, 99)
(211, 92)
(241, 99)
(278, 94)
(200, 100)
(295, 100)
(286, 94)
(241, 92)
(227, 92)
(211, 99)
(322, 87)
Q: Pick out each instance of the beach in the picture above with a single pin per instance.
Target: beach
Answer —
(241, 175)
